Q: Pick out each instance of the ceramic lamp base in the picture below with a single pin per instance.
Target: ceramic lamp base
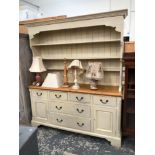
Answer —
(38, 79)
(65, 86)
(76, 86)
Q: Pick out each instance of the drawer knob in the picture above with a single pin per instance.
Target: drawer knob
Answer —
(80, 111)
(79, 99)
(80, 125)
(57, 96)
(39, 94)
(59, 120)
(59, 108)
(103, 101)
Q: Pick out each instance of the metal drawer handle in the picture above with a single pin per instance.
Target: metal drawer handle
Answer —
(57, 96)
(39, 94)
(80, 111)
(79, 99)
(59, 108)
(103, 101)
(80, 125)
(59, 120)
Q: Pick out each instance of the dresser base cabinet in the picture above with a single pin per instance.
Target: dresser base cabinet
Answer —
(90, 114)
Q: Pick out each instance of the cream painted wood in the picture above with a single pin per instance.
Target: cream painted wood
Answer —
(57, 95)
(71, 122)
(110, 21)
(39, 111)
(104, 100)
(70, 108)
(100, 34)
(105, 51)
(118, 117)
(39, 94)
(115, 141)
(104, 120)
(79, 98)
(97, 119)
(96, 37)
(108, 65)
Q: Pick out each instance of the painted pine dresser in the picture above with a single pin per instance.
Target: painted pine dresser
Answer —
(95, 37)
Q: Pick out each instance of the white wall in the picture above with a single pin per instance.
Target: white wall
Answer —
(82, 7)
(28, 11)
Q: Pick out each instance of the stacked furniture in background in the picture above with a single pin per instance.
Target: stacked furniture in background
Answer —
(128, 123)
(95, 37)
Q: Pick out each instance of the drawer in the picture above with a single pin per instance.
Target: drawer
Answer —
(78, 97)
(105, 100)
(39, 94)
(81, 110)
(58, 95)
(72, 109)
(72, 122)
(57, 107)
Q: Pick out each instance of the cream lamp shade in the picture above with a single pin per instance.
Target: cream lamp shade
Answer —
(37, 65)
(75, 64)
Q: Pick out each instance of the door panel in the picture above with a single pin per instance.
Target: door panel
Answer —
(40, 111)
(105, 120)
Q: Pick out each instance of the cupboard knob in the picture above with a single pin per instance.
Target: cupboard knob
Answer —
(57, 96)
(59, 108)
(39, 94)
(80, 111)
(103, 101)
(59, 120)
(79, 99)
(80, 125)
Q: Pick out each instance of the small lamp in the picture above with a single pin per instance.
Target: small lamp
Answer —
(94, 73)
(37, 67)
(75, 65)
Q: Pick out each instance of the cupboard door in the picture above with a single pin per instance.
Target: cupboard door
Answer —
(39, 110)
(104, 120)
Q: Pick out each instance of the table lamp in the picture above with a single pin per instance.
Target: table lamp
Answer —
(37, 67)
(76, 66)
(94, 72)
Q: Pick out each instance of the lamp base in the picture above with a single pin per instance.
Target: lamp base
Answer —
(65, 85)
(93, 84)
(76, 86)
(38, 81)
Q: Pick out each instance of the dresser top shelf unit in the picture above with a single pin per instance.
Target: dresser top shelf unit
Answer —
(93, 37)
(84, 88)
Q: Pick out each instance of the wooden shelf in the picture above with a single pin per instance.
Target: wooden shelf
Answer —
(84, 88)
(78, 42)
(105, 69)
(82, 58)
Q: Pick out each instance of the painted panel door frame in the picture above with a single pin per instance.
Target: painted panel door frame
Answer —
(39, 110)
(104, 120)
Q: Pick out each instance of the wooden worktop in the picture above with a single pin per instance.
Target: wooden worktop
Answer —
(102, 90)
